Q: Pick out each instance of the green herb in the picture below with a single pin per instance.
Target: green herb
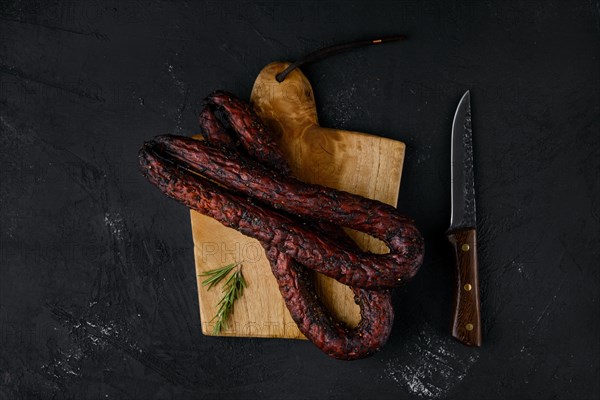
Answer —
(217, 275)
(232, 290)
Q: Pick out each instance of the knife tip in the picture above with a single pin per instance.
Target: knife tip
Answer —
(466, 97)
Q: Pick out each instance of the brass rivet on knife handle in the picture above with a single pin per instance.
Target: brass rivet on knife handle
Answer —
(466, 321)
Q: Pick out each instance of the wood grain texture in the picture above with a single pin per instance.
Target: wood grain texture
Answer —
(356, 162)
(466, 321)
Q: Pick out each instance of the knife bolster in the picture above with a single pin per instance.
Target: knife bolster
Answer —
(466, 321)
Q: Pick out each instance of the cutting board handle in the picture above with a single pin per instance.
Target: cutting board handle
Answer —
(290, 103)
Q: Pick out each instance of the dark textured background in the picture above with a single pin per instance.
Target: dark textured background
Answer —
(98, 294)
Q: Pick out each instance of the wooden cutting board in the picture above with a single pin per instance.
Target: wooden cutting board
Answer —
(356, 162)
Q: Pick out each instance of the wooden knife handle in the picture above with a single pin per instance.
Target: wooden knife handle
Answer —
(466, 321)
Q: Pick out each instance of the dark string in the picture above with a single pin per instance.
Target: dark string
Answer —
(336, 48)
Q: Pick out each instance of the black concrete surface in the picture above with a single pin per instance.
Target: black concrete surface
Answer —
(97, 288)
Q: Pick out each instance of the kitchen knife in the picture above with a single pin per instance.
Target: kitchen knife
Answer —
(466, 321)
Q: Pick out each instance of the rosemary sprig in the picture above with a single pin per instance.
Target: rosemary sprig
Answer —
(232, 289)
(217, 274)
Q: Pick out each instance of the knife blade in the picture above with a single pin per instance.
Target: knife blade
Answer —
(462, 234)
